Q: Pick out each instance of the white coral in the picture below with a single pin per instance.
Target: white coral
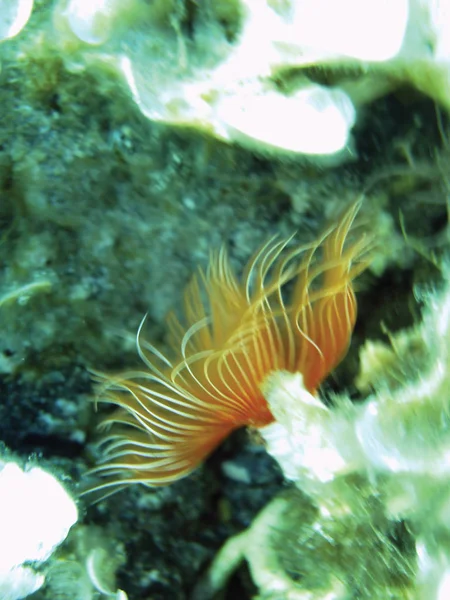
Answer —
(36, 514)
(14, 15)
(240, 73)
(399, 437)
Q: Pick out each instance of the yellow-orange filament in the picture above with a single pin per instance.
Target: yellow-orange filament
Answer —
(171, 415)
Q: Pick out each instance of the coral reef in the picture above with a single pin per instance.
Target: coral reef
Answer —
(241, 69)
(36, 516)
(244, 70)
(375, 523)
(132, 143)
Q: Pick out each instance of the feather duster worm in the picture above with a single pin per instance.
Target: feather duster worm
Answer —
(171, 415)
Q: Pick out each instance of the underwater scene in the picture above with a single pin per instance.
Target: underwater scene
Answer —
(225, 299)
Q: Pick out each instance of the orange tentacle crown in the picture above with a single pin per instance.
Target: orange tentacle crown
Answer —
(174, 412)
